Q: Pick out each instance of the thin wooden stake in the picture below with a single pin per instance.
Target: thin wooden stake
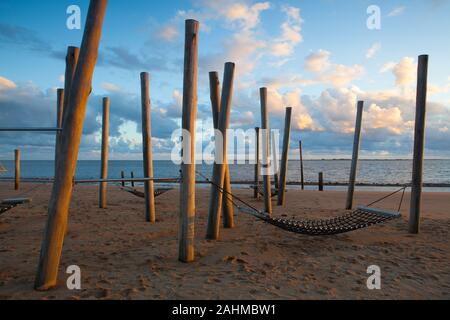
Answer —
(17, 169)
(320, 181)
(122, 175)
(218, 178)
(257, 165)
(187, 185)
(150, 214)
(265, 152)
(132, 177)
(104, 155)
(285, 158)
(356, 143)
(419, 145)
(302, 178)
(59, 120)
(58, 209)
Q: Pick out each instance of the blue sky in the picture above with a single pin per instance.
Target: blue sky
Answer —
(318, 57)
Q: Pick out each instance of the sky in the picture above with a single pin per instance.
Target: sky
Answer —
(318, 57)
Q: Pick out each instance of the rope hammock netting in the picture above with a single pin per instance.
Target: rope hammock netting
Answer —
(362, 217)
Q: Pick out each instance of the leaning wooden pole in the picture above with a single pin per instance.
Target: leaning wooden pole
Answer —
(265, 152)
(150, 215)
(17, 169)
(104, 154)
(58, 209)
(257, 165)
(218, 178)
(302, 177)
(227, 197)
(187, 186)
(354, 166)
(419, 145)
(72, 57)
(285, 158)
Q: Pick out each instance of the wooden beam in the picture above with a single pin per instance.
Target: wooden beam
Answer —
(187, 186)
(419, 145)
(150, 214)
(354, 166)
(285, 158)
(275, 161)
(265, 152)
(122, 176)
(58, 209)
(104, 154)
(219, 167)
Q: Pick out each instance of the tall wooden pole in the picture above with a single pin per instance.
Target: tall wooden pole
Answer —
(265, 152)
(17, 169)
(150, 215)
(257, 165)
(356, 143)
(219, 166)
(187, 186)
(302, 177)
(320, 181)
(104, 155)
(419, 145)
(58, 209)
(132, 177)
(72, 57)
(227, 197)
(275, 162)
(284, 158)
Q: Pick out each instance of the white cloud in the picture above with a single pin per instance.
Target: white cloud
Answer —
(168, 33)
(111, 87)
(247, 17)
(372, 51)
(325, 71)
(291, 33)
(396, 11)
(6, 84)
(405, 71)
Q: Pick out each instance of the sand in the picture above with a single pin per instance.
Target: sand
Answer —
(123, 257)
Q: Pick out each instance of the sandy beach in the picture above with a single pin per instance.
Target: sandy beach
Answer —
(123, 257)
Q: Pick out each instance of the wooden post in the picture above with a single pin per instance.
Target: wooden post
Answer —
(122, 175)
(419, 145)
(227, 198)
(59, 120)
(58, 209)
(132, 177)
(265, 152)
(284, 158)
(320, 181)
(104, 156)
(302, 178)
(187, 186)
(150, 215)
(275, 162)
(257, 165)
(218, 178)
(71, 64)
(356, 143)
(17, 169)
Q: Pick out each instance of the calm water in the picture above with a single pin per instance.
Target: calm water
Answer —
(337, 171)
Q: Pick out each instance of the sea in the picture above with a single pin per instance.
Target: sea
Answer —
(372, 174)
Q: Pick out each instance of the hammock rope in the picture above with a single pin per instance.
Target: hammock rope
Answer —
(362, 217)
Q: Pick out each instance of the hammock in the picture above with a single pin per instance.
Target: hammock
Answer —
(362, 217)
(8, 204)
(141, 194)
